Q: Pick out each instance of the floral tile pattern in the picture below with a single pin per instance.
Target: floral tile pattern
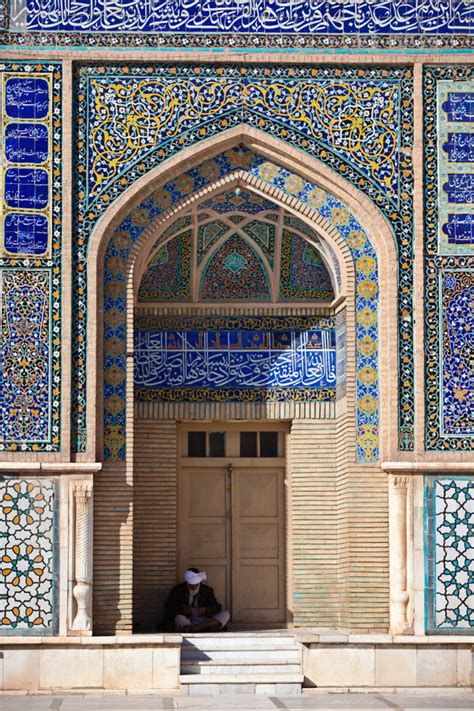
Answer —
(30, 256)
(213, 99)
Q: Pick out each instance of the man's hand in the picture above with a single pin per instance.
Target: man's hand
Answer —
(201, 611)
(187, 610)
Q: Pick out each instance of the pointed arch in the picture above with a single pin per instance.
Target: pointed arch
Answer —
(303, 165)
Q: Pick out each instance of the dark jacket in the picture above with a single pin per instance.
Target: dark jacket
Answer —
(178, 599)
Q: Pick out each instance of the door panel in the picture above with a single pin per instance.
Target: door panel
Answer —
(258, 570)
(232, 525)
(205, 527)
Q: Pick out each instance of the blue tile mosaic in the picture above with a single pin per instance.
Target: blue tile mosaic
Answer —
(459, 188)
(324, 18)
(25, 355)
(459, 229)
(27, 188)
(25, 234)
(27, 97)
(459, 106)
(455, 128)
(459, 147)
(26, 143)
(30, 256)
(331, 208)
(220, 92)
(457, 347)
(449, 263)
(180, 364)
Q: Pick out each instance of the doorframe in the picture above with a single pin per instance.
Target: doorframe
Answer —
(283, 462)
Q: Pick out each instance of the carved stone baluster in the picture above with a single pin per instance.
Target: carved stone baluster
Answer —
(82, 589)
(398, 490)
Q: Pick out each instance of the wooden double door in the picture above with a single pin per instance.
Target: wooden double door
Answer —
(232, 525)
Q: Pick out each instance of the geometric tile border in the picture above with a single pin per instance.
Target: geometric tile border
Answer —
(28, 565)
(449, 554)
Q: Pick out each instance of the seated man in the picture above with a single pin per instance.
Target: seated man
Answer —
(192, 606)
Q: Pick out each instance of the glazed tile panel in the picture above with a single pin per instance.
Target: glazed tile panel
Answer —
(30, 256)
(449, 520)
(26, 174)
(320, 16)
(356, 120)
(236, 359)
(457, 348)
(25, 385)
(28, 576)
(133, 116)
(456, 167)
(449, 261)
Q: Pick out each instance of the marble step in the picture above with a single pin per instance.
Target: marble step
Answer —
(257, 656)
(283, 678)
(234, 642)
(238, 667)
(236, 687)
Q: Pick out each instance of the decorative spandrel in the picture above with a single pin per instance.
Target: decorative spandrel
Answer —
(135, 116)
(28, 576)
(450, 561)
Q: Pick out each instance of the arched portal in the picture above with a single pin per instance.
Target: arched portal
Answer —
(342, 243)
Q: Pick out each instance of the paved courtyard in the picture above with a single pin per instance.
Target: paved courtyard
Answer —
(320, 702)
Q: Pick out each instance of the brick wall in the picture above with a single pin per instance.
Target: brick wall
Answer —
(113, 549)
(155, 520)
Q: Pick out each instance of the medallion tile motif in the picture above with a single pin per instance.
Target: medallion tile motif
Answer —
(449, 575)
(28, 582)
(263, 98)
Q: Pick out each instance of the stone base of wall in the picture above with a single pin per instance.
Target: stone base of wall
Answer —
(151, 663)
(90, 664)
(369, 662)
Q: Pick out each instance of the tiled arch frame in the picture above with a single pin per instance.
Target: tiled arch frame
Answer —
(367, 214)
(365, 435)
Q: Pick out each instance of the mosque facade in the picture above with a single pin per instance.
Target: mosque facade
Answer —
(236, 303)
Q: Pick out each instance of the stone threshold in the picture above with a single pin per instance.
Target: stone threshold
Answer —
(129, 640)
(303, 636)
(51, 467)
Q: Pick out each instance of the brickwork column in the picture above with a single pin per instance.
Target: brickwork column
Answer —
(82, 589)
(398, 490)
